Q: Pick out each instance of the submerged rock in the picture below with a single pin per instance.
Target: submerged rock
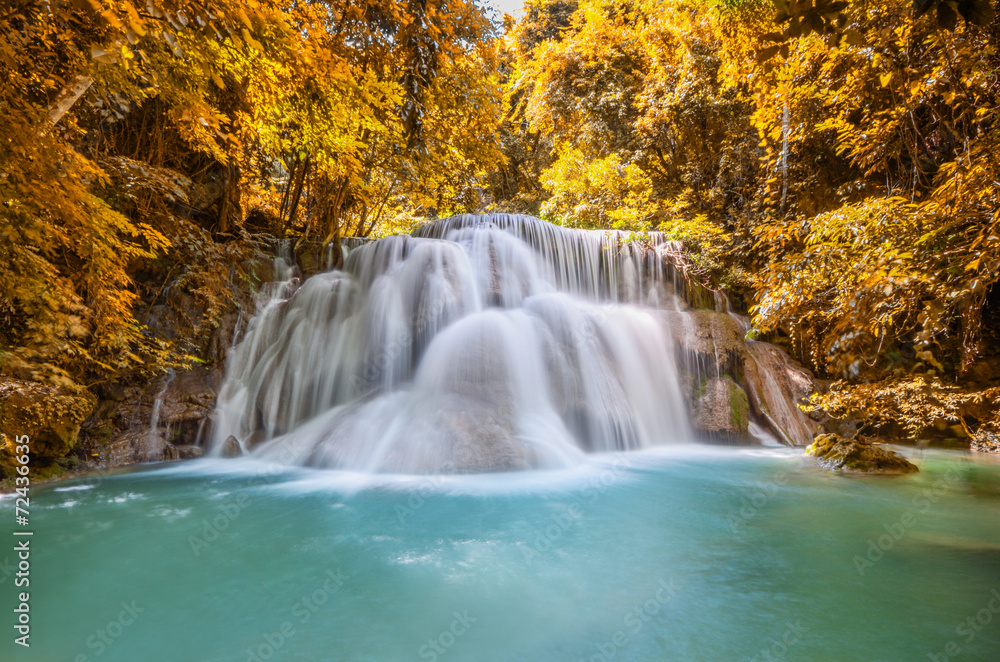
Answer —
(835, 452)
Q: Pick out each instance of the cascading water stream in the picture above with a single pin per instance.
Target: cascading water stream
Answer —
(480, 343)
(154, 418)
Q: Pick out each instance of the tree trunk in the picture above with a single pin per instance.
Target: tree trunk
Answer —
(230, 200)
(69, 96)
(784, 155)
(296, 196)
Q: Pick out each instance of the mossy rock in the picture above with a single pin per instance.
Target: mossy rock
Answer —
(49, 416)
(699, 389)
(706, 332)
(739, 407)
(836, 453)
(720, 408)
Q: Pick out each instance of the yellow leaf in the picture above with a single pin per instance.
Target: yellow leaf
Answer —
(884, 79)
(134, 21)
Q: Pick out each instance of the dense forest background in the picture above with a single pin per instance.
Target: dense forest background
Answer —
(834, 166)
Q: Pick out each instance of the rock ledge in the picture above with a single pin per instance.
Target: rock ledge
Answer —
(835, 452)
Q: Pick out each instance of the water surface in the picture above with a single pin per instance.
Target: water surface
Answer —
(686, 553)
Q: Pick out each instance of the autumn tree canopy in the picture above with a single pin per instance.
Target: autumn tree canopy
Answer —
(834, 162)
(177, 135)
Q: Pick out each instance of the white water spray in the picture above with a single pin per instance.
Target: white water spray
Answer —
(480, 343)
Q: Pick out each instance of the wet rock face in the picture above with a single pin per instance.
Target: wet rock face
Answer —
(122, 433)
(777, 385)
(51, 417)
(188, 398)
(710, 348)
(758, 377)
(708, 342)
(706, 332)
(476, 442)
(720, 408)
(834, 452)
(142, 445)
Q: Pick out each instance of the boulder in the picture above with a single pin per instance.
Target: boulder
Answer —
(835, 452)
(185, 452)
(231, 447)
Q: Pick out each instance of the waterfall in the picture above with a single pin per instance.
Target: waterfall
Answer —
(479, 343)
(152, 441)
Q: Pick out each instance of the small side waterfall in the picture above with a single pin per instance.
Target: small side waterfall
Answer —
(480, 343)
(154, 419)
(777, 384)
